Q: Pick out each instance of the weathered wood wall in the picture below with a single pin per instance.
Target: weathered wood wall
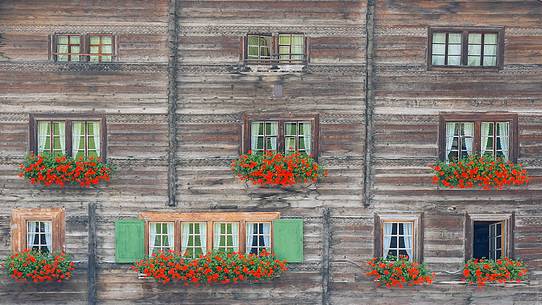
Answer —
(211, 96)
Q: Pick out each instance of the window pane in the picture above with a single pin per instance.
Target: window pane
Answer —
(94, 50)
(438, 60)
(454, 38)
(454, 60)
(475, 38)
(284, 50)
(74, 49)
(490, 38)
(439, 37)
(490, 61)
(62, 39)
(94, 39)
(438, 49)
(454, 49)
(106, 40)
(284, 39)
(107, 49)
(62, 49)
(474, 49)
(474, 61)
(74, 39)
(490, 50)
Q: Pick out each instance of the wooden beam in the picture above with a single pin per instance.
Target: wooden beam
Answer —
(172, 102)
(326, 244)
(369, 100)
(91, 274)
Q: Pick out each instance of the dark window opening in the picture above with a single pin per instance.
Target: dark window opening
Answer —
(488, 241)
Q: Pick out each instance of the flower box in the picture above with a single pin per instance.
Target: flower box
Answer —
(479, 172)
(212, 268)
(46, 169)
(502, 271)
(398, 272)
(34, 266)
(276, 169)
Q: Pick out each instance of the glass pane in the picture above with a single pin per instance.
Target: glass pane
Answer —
(94, 58)
(438, 60)
(438, 49)
(259, 143)
(474, 61)
(490, 50)
(107, 49)
(284, 39)
(490, 38)
(106, 39)
(106, 58)
(62, 49)
(468, 129)
(290, 129)
(454, 60)
(62, 39)
(394, 228)
(284, 50)
(454, 38)
(401, 229)
(439, 37)
(475, 38)
(94, 39)
(94, 50)
(490, 61)
(393, 243)
(253, 52)
(75, 49)
(401, 242)
(74, 39)
(253, 40)
(499, 229)
(393, 253)
(290, 144)
(62, 58)
(474, 49)
(454, 49)
(297, 40)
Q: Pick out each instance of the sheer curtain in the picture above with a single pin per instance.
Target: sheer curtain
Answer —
(203, 237)
(503, 133)
(62, 134)
(217, 235)
(152, 239)
(267, 236)
(43, 130)
(387, 238)
(255, 130)
(485, 137)
(48, 236)
(235, 237)
(469, 131)
(185, 230)
(407, 229)
(96, 135)
(31, 234)
(272, 145)
(250, 237)
(307, 136)
(450, 132)
(170, 240)
(76, 137)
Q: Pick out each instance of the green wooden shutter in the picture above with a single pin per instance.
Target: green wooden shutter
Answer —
(129, 240)
(288, 239)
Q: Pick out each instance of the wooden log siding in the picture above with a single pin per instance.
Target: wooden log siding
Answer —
(377, 101)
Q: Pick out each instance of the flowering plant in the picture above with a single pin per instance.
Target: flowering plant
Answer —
(34, 266)
(50, 169)
(483, 171)
(213, 267)
(400, 271)
(272, 168)
(481, 271)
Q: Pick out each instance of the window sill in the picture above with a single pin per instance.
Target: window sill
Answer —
(463, 69)
(273, 68)
(279, 189)
(505, 284)
(479, 189)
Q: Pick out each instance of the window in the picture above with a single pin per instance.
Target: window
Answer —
(161, 236)
(258, 237)
(488, 236)
(284, 134)
(39, 229)
(68, 47)
(97, 48)
(283, 48)
(491, 134)
(66, 134)
(397, 235)
(226, 236)
(471, 47)
(194, 239)
(200, 232)
(101, 48)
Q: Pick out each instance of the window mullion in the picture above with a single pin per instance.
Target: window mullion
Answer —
(482, 49)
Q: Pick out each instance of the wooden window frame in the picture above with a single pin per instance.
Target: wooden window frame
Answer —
(477, 119)
(100, 54)
(68, 121)
(20, 217)
(417, 233)
(508, 219)
(281, 118)
(274, 50)
(465, 31)
(210, 218)
(84, 54)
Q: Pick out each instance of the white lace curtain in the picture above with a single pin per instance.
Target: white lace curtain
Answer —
(387, 238)
(76, 137)
(450, 132)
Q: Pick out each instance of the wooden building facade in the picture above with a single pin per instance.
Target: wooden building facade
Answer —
(177, 89)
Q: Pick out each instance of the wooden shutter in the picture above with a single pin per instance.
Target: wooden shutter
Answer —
(242, 49)
(129, 240)
(288, 239)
